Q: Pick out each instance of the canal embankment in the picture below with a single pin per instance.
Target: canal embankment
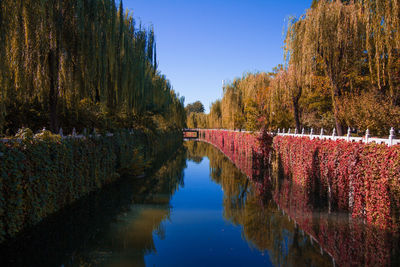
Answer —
(43, 174)
(79, 233)
(342, 195)
(362, 179)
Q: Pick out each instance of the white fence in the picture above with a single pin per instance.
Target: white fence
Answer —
(390, 141)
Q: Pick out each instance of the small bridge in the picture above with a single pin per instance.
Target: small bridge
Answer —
(190, 133)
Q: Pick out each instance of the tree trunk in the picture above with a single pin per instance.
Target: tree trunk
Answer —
(53, 92)
(336, 93)
(110, 91)
(54, 62)
(296, 113)
(296, 110)
(339, 125)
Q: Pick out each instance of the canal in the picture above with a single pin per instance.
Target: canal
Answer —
(198, 209)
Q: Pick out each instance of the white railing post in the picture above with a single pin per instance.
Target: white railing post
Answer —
(322, 132)
(366, 136)
(302, 132)
(74, 132)
(391, 136)
(288, 131)
(334, 134)
(295, 131)
(279, 131)
(348, 134)
(311, 133)
(60, 132)
(283, 131)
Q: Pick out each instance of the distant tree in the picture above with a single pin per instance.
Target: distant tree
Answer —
(196, 107)
(214, 119)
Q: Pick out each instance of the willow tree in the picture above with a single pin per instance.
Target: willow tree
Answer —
(382, 18)
(292, 82)
(232, 107)
(2, 93)
(214, 118)
(279, 115)
(63, 60)
(329, 36)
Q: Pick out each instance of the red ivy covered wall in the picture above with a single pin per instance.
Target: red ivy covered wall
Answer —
(363, 179)
(249, 152)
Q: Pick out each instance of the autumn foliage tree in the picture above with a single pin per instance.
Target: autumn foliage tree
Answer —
(341, 69)
(65, 62)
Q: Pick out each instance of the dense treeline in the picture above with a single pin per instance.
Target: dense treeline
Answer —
(342, 68)
(80, 64)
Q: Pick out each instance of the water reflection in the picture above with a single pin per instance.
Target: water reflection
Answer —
(263, 225)
(113, 227)
(349, 241)
(198, 209)
(289, 222)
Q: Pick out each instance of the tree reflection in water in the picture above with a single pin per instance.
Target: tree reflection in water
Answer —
(294, 226)
(114, 226)
(264, 227)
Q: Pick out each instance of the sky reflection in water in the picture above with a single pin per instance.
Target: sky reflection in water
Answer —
(197, 234)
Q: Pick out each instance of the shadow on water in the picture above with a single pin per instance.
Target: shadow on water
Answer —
(85, 233)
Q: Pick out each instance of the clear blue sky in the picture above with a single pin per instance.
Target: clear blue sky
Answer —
(202, 42)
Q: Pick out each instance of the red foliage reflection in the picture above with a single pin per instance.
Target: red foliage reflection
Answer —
(345, 196)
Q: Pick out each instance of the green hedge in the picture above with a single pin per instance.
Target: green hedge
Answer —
(40, 176)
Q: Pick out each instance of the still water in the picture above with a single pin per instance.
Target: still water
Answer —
(198, 209)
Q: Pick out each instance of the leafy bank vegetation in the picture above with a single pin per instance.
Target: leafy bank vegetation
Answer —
(41, 175)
